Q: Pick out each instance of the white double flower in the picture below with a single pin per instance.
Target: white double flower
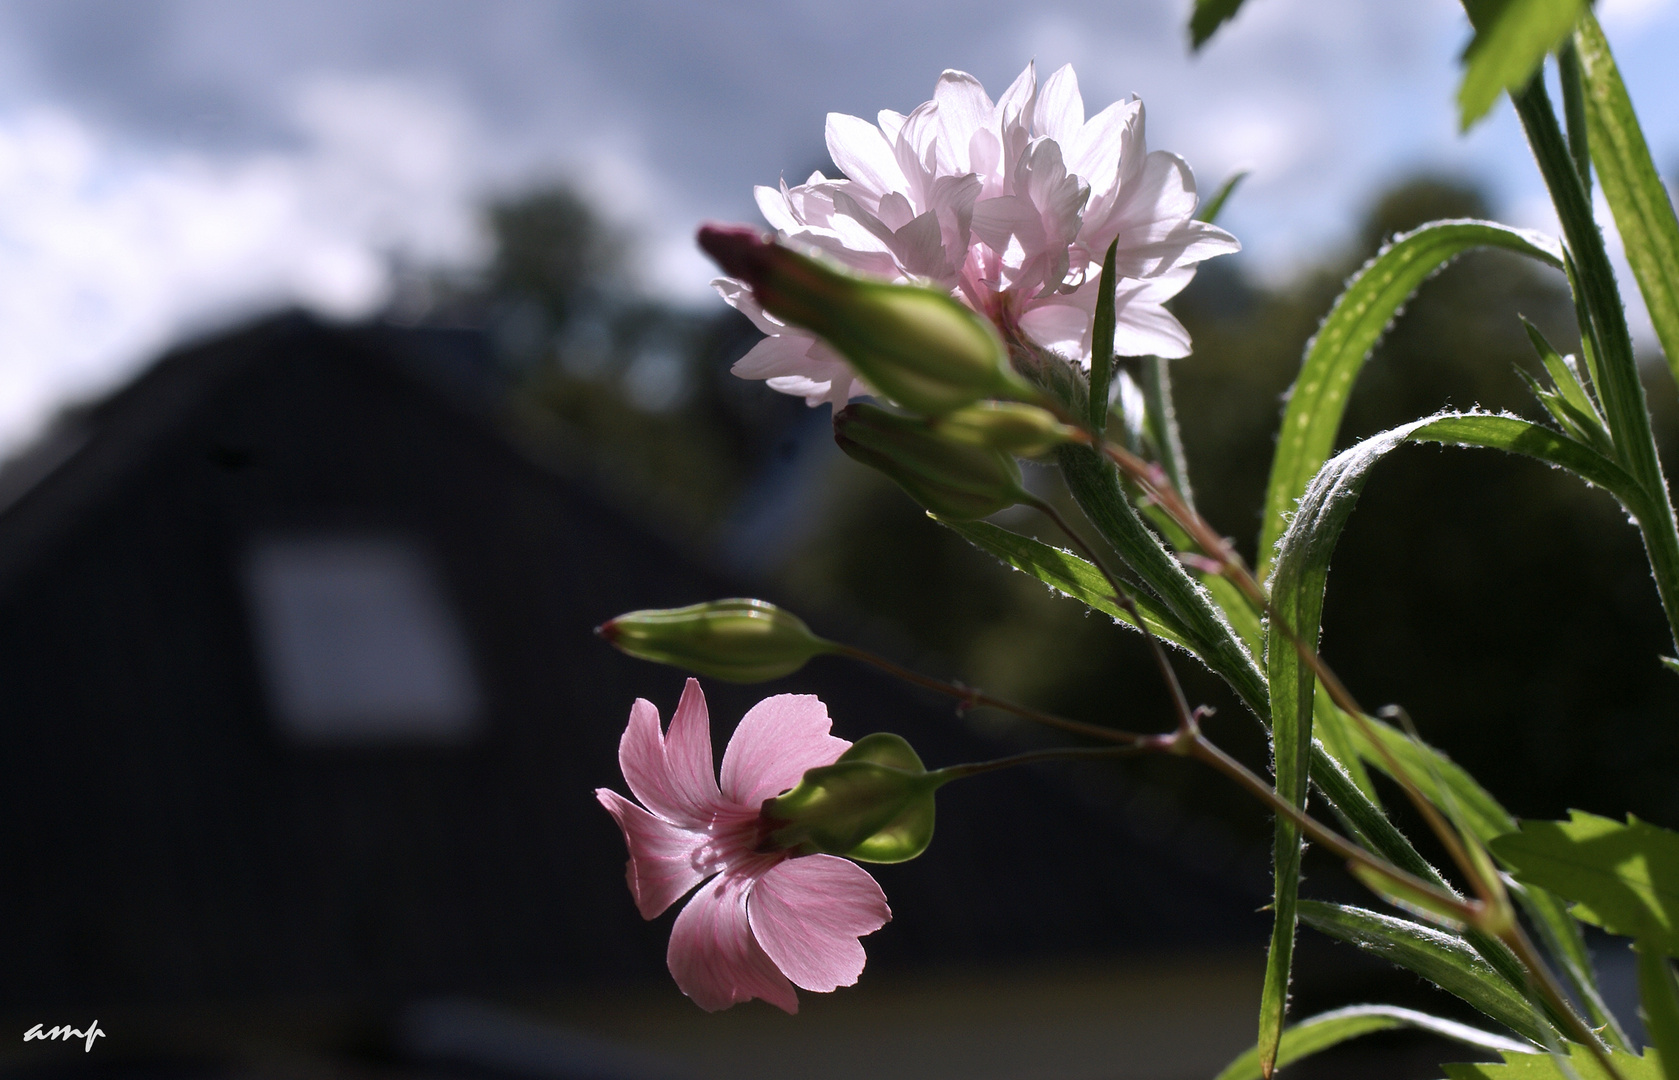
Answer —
(1011, 205)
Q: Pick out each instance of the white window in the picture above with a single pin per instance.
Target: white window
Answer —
(357, 644)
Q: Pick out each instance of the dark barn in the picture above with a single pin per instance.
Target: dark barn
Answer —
(304, 716)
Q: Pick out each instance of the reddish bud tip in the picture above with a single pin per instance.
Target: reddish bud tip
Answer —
(608, 630)
(742, 251)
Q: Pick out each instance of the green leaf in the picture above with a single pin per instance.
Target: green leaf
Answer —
(1214, 206)
(1610, 356)
(1640, 202)
(1102, 341)
(1094, 484)
(1514, 435)
(1318, 1033)
(1472, 809)
(1349, 332)
(1564, 374)
(1510, 43)
(1442, 781)
(1334, 728)
(1064, 572)
(1659, 1005)
(1624, 878)
(1209, 15)
(1442, 958)
(1574, 110)
(1582, 1064)
(1161, 421)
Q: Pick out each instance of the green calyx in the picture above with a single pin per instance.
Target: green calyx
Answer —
(875, 804)
(952, 478)
(742, 641)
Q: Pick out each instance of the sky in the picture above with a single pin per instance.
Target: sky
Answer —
(168, 167)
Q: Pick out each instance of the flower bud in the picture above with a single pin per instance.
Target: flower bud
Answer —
(952, 479)
(737, 640)
(875, 804)
(918, 346)
(1009, 426)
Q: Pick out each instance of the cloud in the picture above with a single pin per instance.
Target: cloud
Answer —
(108, 251)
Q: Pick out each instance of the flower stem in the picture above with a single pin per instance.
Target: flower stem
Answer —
(971, 697)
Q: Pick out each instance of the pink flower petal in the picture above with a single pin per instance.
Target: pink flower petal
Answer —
(713, 955)
(661, 866)
(777, 740)
(964, 108)
(863, 154)
(1060, 107)
(672, 777)
(808, 913)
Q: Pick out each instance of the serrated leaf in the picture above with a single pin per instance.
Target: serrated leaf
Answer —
(1512, 38)
(1208, 16)
(1356, 322)
(1064, 572)
(1318, 1033)
(1624, 878)
(1442, 958)
(1582, 1065)
(1643, 210)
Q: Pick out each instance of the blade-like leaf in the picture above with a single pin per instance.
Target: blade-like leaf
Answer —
(1162, 425)
(1102, 342)
(1574, 109)
(1214, 206)
(1563, 373)
(1567, 946)
(1582, 1064)
(1610, 357)
(1209, 15)
(1517, 436)
(1442, 958)
(1638, 198)
(1334, 728)
(1318, 1033)
(1511, 40)
(1658, 1000)
(1095, 485)
(1064, 572)
(1624, 878)
(1350, 331)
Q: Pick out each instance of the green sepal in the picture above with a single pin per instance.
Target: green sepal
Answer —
(875, 804)
(952, 479)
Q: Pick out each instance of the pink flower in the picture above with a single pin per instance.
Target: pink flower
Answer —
(1011, 205)
(764, 922)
